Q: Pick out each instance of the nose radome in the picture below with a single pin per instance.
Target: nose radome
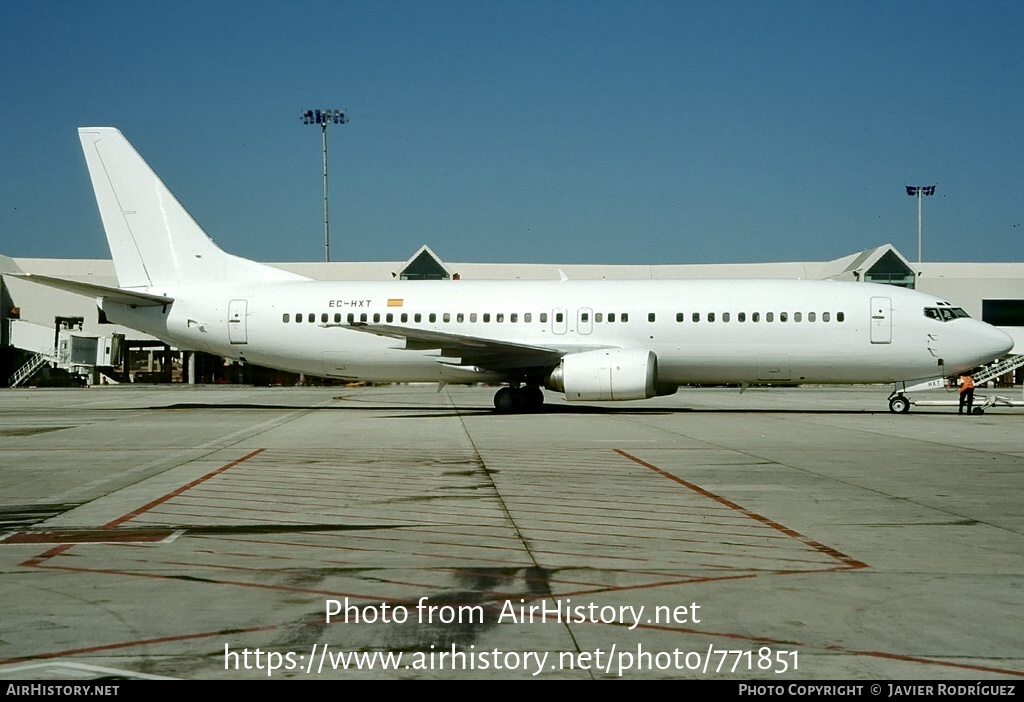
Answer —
(1002, 343)
(989, 342)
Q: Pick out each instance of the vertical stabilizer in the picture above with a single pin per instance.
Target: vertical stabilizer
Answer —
(154, 241)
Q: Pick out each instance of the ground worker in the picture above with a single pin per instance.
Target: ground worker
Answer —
(966, 392)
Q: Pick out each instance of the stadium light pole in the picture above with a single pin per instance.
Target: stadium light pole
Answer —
(919, 191)
(323, 118)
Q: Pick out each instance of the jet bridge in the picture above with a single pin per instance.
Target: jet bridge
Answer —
(62, 346)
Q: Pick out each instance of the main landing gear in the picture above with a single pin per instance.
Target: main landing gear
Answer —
(527, 398)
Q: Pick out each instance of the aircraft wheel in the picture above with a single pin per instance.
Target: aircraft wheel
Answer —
(979, 410)
(532, 397)
(899, 405)
(506, 400)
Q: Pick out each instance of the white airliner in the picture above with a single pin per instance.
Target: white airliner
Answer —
(590, 340)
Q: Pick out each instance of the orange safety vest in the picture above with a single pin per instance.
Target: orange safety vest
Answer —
(966, 382)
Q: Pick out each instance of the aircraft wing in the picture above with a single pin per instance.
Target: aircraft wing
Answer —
(124, 297)
(465, 350)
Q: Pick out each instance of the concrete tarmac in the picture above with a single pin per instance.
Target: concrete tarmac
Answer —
(775, 535)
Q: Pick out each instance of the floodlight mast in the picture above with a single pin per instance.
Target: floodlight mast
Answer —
(919, 191)
(323, 118)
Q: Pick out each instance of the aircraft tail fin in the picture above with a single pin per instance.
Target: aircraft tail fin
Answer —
(154, 241)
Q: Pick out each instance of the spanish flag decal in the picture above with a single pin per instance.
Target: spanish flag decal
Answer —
(395, 302)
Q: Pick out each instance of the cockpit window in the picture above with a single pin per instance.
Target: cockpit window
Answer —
(944, 314)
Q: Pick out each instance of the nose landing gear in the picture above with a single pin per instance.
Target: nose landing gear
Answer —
(899, 404)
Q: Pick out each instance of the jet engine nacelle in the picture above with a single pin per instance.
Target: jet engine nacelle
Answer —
(606, 374)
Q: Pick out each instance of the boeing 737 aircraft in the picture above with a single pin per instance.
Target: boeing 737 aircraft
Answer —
(590, 340)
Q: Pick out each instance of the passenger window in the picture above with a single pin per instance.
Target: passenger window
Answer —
(499, 317)
(543, 317)
(418, 317)
(405, 317)
(840, 317)
(432, 317)
(711, 316)
(598, 316)
(460, 318)
(650, 316)
(769, 317)
(323, 318)
(696, 316)
(725, 316)
(487, 316)
(286, 317)
(680, 316)
(446, 317)
(337, 317)
(513, 318)
(298, 317)
(810, 316)
(611, 317)
(351, 317)
(389, 318)
(310, 317)
(472, 316)
(741, 317)
(825, 317)
(584, 316)
(783, 316)
(624, 317)
(362, 317)
(756, 317)
(376, 317)
(527, 317)
(559, 317)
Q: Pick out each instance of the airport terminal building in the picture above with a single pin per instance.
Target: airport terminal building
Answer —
(49, 335)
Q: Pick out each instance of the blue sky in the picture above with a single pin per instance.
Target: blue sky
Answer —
(518, 131)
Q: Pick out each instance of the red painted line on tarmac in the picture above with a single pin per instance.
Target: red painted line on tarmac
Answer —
(39, 560)
(89, 536)
(838, 555)
(132, 644)
(183, 488)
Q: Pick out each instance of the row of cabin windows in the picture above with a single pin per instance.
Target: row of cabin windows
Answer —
(417, 317)
(527, 317)
(756, 317)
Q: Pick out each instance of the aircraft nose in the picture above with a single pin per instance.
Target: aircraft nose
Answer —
(974, 343)
(991, 342)
(1005, 341)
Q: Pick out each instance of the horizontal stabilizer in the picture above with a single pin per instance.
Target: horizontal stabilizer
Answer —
(8, 266)
(123, 297)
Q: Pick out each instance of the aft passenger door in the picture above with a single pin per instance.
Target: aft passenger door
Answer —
(881, 320)
(238, 332)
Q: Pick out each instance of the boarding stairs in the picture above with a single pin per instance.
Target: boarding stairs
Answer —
(29, 369)
(994, 370)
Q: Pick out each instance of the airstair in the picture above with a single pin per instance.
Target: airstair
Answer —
(899, 402)
(29, 369)
(994, 370)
